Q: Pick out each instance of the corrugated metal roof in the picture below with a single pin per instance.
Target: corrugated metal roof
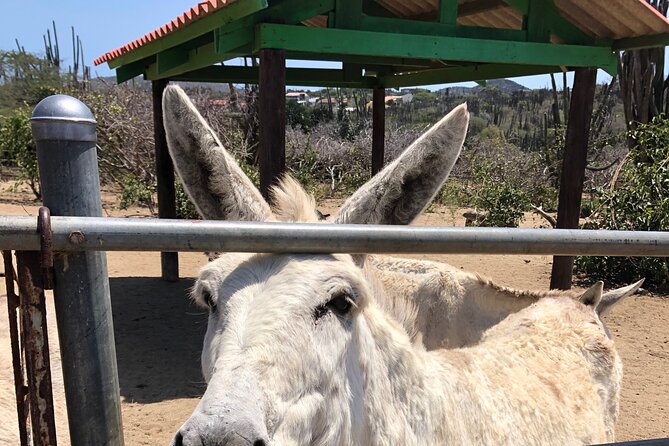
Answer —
(612, 19)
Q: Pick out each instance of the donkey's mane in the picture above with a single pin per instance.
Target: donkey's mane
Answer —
(291, 203)
(522, 294)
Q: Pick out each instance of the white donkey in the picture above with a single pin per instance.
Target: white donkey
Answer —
(298, 352)
(435, 302)
(308, 349)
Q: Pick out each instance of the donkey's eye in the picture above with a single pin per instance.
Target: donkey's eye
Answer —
(209, 300)
(340, 304)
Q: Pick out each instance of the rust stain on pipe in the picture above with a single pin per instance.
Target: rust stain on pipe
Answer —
(20, 388)
(36, 343)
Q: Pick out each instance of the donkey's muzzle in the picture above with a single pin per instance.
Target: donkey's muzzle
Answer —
(217, 432)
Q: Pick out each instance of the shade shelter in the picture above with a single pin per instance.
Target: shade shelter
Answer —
(380, 44)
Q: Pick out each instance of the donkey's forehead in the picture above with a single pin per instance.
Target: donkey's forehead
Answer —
(230, 269)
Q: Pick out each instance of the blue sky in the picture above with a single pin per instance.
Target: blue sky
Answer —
(105, 25)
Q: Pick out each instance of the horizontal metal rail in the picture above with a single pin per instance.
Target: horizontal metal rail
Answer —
(129, 234)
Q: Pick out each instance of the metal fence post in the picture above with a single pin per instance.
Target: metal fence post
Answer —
(64, 131)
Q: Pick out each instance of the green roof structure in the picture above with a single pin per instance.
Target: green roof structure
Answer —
(386, 44)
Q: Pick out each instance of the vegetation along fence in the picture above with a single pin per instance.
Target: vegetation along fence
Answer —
(64, 130)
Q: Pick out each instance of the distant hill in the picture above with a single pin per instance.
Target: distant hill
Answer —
(505, 85)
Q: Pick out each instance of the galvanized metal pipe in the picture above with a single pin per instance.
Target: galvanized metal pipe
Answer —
(64, 131)
(134, 234)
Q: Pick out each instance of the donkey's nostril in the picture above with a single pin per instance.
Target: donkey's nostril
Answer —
(259, 443)
(178, 440)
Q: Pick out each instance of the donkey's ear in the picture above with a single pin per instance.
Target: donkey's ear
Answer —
(400, 192)
(612, 297)
(212, 179)
(593, 295)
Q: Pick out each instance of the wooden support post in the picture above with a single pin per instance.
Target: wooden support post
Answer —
(573, 167)
(272, 117)
(169, 261)
(378, 128)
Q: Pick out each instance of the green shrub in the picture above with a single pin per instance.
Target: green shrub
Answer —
(185, 207)
(305, 117)
(639, 202)
(476, 125)
(17, 148)
(503, 202)
(453, 194)
(137, 192)
(503, 181)
(492, 132)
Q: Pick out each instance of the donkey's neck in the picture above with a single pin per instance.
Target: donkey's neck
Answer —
(403, 401)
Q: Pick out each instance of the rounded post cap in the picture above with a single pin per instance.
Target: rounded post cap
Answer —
(61, 107)
(62, 117)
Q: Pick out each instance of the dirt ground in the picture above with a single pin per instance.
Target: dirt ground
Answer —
(159, 334)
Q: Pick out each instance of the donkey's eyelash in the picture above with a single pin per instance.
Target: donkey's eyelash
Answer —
(340, 304)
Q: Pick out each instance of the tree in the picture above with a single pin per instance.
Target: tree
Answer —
(25, 78)
(642, 83)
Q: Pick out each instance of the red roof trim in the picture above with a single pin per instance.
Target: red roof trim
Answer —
(195, 13)
(656, 12)
(209, 6)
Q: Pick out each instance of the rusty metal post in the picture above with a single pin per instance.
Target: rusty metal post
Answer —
(20, 387)
(64, 131)
(34, 327)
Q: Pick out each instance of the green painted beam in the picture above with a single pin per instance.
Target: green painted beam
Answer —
(522, 6)
(236, 38)
(197, 58)
(635, 43)
(130, 71)
(240, 33)
(207, 55)
(233, 11)
(478, 6)
(348, 14)
(229, 39)
(536, 22)
(307, 77)
(171, 58)
(405, 26)
(463, 74)
(561, 27)
(464, 10)
(399, 62)
(542, 17)
(371, 7)
(351, 71)
(336, 41)
(448, 11)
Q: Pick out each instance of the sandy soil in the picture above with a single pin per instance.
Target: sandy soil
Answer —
(159, 334)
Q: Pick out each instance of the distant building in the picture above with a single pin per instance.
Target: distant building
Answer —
(300, 97)
(323, 102)
(219, 102)
(392, 101)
